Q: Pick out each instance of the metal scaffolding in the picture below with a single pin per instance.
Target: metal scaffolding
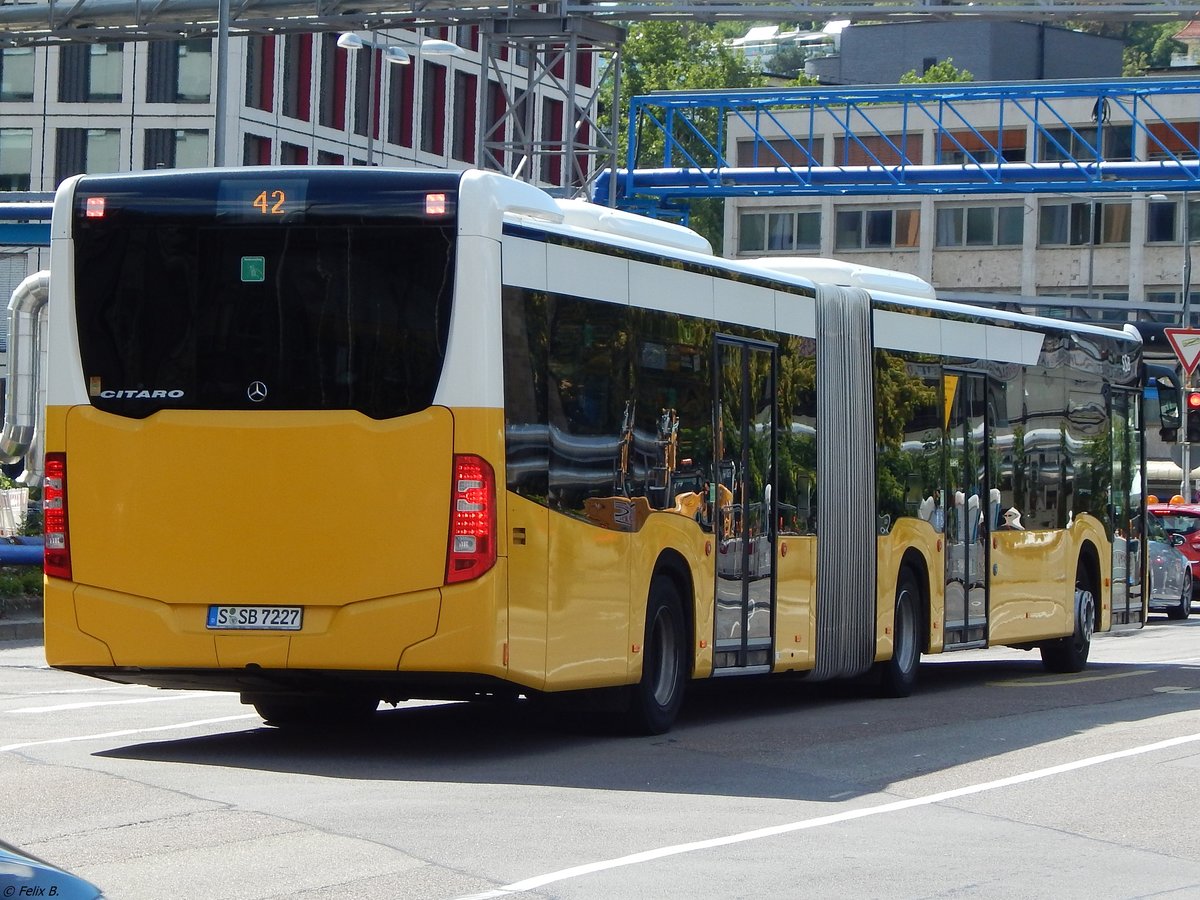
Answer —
(881, 132)
(52, 21)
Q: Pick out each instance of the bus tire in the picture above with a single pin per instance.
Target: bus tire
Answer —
(655, 700)
(301, 711)
(898, 675)
(1070, 654)
(1184, 609)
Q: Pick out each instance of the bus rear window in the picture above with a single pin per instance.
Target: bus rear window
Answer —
(205, 312)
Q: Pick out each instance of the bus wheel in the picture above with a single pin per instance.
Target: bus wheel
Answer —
(312, 710)
(1184, 609)
(898, 676)
(1070, 654)
(655, 700)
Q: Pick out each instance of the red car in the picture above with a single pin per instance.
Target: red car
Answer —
(1184, 519)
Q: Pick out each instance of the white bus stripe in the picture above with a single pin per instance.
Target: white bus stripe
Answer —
(539, 881)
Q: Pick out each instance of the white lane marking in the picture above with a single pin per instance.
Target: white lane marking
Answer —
(88, 690)
(112, 734)
(65, 706)
(633, 859)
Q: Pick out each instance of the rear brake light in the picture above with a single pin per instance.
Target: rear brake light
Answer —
(54, 517)
(472, 543)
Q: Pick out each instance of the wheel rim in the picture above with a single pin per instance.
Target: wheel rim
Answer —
(1185, 599)
(666, 661)
(905, 633)
(1086, 605)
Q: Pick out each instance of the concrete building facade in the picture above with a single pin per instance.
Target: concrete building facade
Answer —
(1109, 256)
(294, 99)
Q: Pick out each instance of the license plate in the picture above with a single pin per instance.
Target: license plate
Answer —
(256, 618)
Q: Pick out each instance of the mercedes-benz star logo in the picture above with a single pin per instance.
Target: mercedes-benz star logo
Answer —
(257, 391)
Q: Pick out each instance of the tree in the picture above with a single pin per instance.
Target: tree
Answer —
(673, 56)
(940, 72)
(1147, 46)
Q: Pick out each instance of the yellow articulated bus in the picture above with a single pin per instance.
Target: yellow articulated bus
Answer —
(330, 437)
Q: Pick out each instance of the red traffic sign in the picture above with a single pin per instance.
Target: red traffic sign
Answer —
(1186, 344)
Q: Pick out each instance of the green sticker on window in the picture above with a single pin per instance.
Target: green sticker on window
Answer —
(254, 268)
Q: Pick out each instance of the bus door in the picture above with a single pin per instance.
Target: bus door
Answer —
(741, 492)
(1125, 508)
(967, 510)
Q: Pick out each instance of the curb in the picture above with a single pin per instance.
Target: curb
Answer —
(21, 628)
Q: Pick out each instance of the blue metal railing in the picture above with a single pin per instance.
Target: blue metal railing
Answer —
(1025, 137)
(25, 222)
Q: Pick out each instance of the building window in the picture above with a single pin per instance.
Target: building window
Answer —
(400, 106)
(876, 229)
(779, 232)
(329, 158)
(462, 140)
(495, 126)
(88, 150)
(297, 75)
(551, 140)
(1164, 223)
(364, 115)
(980, 226)
(256, 151)
(1057, 144)
(433, 109)
(1071, 224)
(332, 109)
(780, 152)
(16, 73)
(89, 72)
(171, 148)
(260, 72)
(1171, 140)
(179, 71)
(16, 158)
(195, 71)
(292, 154)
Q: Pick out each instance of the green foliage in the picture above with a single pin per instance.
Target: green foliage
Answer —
(1147, 45)
(673, 56)
(20, 581)
(939, 73)
(789, 61)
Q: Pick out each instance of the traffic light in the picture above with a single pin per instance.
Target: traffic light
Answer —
(1193, 416)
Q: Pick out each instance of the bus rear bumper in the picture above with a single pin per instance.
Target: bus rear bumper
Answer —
(392, 687)
(460, 632)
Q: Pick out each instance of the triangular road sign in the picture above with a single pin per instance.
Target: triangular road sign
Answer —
(1186, 343)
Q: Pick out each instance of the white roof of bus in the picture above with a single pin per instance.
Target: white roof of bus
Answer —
(846, 274)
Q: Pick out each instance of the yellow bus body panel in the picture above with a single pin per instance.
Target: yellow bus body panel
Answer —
(528, 546)
(1032, 589)
(795, 611)
(325, 510)
(919, 537)
(678, 533)
(588, 635)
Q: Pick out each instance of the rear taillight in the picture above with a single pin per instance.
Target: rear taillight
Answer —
(472, 545)
(54, 517)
